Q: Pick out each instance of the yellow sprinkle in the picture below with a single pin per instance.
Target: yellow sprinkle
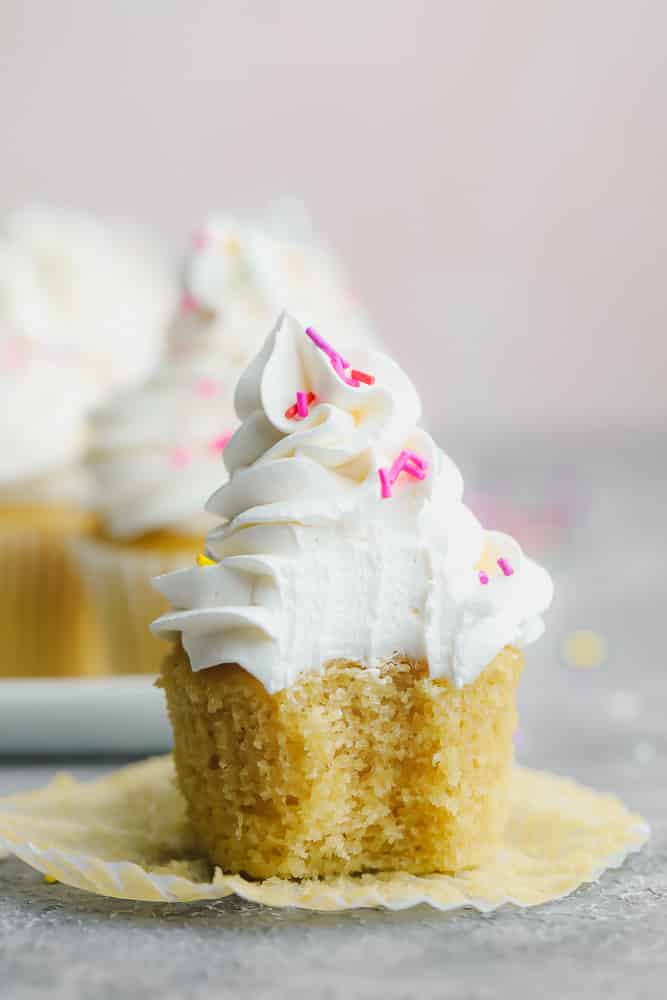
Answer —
(488, 561)
(584, 648)
(232, 246)
(203, 560)
(50, 880)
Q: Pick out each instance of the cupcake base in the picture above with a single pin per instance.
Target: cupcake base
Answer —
(349, 770)
(47, 624)
(118, 576)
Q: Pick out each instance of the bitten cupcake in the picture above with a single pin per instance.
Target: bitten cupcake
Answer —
(342, 689)
(61, 278)
(155, 454)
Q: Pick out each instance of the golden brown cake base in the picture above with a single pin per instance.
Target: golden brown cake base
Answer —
(118, 577)
(46, 622)
(348, 770)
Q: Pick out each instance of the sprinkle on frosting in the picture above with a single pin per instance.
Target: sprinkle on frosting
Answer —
(483, 577)
(299, 410)
(385, 484)
(180, 457)
(407, 461)
(14, 354)
(203, 560)
(200, 238)
(220, 443)
(208, 388)
(325, 346)
(362, 377)
(189, 303)
(505, 566)
(302, 404)
(338, 362)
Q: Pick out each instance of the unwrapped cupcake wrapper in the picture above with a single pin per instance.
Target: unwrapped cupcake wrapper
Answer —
(119, 582)
(47, 623)
(126, 836)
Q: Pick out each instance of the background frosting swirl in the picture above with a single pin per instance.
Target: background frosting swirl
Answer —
(156, 450)
(82, 313)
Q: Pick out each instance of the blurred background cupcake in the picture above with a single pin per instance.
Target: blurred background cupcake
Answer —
(156, 451)
(82, 312)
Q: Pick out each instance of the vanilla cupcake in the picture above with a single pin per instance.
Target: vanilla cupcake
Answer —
(342, 691)
(60, 281)
(156, 451)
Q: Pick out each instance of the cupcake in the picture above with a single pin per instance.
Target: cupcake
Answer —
(155, 454)
(60, 280)
(343, 681)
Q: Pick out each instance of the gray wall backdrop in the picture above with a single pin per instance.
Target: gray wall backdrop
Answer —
(492, 172)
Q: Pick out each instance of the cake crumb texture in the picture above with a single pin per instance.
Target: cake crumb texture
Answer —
(348, 770)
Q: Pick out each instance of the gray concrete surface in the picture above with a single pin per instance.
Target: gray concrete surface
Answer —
(604, 726)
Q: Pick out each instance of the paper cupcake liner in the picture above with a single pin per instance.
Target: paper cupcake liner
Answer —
(126, 836)
(118, 580)
(47, 623)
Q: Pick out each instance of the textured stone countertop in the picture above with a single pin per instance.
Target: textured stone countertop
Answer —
(604, 726)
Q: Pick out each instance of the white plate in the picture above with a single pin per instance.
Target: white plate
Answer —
(83, 716)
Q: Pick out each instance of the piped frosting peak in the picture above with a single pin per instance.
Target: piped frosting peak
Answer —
(342, 531)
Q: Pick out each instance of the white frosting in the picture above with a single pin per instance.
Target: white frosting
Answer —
(155, 460)
(156, 449)
(82, 310)
(313, 564)
(100, 295)
(243, 275)
(42, 431)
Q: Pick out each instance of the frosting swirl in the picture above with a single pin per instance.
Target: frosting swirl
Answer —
(156, 450)
(313, 563)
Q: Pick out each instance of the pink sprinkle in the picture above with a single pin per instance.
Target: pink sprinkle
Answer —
(302, 404)
(207, 388)
(410, 462)
(188, 303)
(417, 459)
(220, 443)
(306, 400)
(326, 347)
(337, 364)
(483, 578)
(180, 457)
(362, 376)
(14, 354)
(505, 567)
(397, 466)
(385, 484)
(416, 471)
(200, 239)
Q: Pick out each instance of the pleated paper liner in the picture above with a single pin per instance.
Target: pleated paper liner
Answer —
(126, 836)
(47, 624)
(119, 580)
